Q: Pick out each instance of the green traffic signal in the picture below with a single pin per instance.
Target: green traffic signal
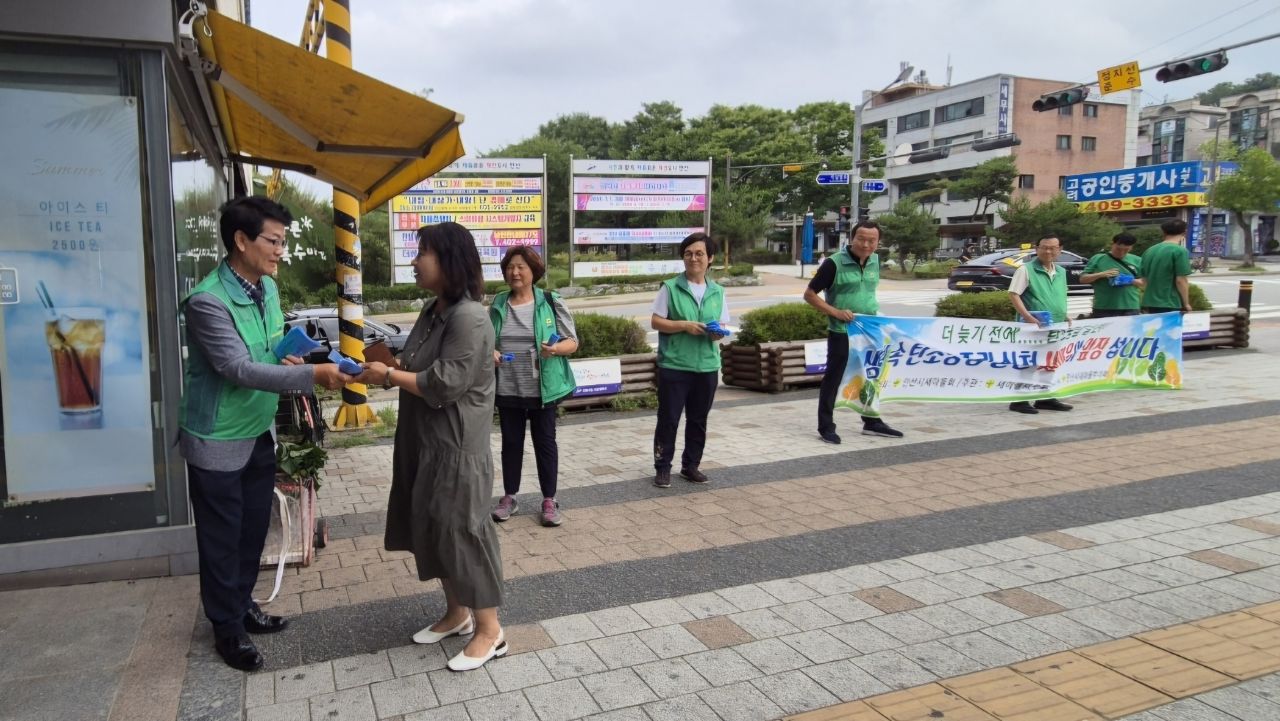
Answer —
(1189, 68)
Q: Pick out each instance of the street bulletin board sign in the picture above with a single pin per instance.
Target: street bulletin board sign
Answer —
(642, 186)
(502, 201)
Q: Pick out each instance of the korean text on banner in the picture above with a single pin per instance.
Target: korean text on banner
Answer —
(639, 202)
(418, 203)
(596, 377)
(968, 360)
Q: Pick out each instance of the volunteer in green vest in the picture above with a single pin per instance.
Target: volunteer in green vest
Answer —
(847, 281)
(1111, 300)
(688, 358)
(230, 392)
(533, 376)
(1165, 266)
(1040, 285)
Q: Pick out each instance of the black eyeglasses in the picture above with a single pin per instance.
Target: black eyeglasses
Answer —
(277, 242)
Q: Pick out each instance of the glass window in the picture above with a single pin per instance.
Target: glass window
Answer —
(1066, 109)
(198, 191)
(1026, 182)
(912, 187)
(79, 451)
(1090, 110)
(1062, 182)
(920, 145)
(913, 121)
(1088, 143)
(1167, 141)
(958, 111)
(1064, 142)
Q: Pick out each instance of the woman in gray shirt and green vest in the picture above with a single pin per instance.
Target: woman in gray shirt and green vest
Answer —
(688, 358)
(535, 337)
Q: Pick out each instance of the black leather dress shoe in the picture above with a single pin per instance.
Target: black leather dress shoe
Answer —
(255, 621)
(239, 652)
(1053, 404)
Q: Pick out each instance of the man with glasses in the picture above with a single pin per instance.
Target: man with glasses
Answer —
(231, 390)
(847, 281)
(1040, 286)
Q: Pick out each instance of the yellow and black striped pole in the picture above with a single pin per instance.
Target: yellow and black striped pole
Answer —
(355, 411)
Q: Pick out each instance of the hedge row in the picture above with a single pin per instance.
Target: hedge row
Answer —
(782, 322)
(995, 305)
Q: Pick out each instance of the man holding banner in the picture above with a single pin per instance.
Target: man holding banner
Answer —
(1040, 287)
(848, 281)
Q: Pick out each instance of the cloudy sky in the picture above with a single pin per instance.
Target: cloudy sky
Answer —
(512, 65)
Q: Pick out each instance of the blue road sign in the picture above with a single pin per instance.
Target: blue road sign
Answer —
(874, 186)
(833, 178)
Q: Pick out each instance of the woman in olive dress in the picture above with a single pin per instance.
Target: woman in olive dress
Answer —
(442, 470)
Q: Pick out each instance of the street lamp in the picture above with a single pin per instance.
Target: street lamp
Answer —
(856, 179)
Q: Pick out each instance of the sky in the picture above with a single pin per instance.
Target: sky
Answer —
(510, 66)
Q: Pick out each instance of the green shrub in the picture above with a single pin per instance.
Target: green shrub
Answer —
(782, 322)
(763, 257)
(606, 335)
(991, 305)
(740, 269)
(408, 291)
(1199, 301)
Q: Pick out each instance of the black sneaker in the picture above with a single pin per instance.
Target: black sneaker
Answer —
(830, 437)
(693, 475)
(1022, 407)
(662, 479)
(877, 427)
(1053, 404)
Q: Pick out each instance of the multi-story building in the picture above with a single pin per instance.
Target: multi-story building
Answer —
(1175, 132)
(918, 119)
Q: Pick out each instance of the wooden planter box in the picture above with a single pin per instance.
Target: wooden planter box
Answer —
(639, 376)
(1228, 328)
(770, 367)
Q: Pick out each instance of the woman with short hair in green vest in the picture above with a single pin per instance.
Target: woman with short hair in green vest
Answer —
(535, 337)
(1040, 285)
(688, 358)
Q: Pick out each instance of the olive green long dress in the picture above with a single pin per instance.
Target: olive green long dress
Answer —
(442, 469)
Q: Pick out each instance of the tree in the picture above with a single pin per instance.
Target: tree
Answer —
(594, 135)
(1080, 232)
(655, 133)
(557, 151)
(740, 216)
(909, 229)
(1261, 81)
(1253, 188)
(1224, 151)
(988, 182)
(375, 247)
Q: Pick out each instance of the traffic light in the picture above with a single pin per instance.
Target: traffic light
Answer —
(1194, 66)
(1060, 98)
(842, 223)
(996, 141)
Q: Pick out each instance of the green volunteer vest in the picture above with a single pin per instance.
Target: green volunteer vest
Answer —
(1045, 293)
(555, 376)
(682, 351)
(1113, 297)
(213, 408)
(854, 288)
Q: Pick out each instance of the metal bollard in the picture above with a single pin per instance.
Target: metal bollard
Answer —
(1245, 299)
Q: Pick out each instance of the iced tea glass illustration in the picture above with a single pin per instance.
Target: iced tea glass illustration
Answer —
(75, 344)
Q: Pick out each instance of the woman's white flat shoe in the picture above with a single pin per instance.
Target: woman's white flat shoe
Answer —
(463, 662)
(426, 635)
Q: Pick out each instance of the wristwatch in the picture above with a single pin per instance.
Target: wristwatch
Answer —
(386, 380)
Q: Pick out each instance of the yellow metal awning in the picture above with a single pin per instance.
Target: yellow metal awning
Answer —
(281, 106)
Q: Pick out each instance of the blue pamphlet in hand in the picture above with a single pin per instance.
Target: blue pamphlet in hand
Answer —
(555, 338)
(1122, 279)
(1043, 316)
(296, 343)
(714, 327)
(508, 357)
(345, 364)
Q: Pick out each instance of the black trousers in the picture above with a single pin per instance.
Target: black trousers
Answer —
(689, 393)
(837, 359)
(546, 452)
(1112, 313)
(1161, 310)
(232, 512)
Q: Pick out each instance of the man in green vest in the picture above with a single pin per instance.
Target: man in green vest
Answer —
(231, 388)
(1111, 300)
(1165, 266)
(848, 280)
(1040, 285)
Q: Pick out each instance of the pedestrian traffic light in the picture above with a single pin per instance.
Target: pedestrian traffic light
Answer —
(1194, 66)
(1060, 98)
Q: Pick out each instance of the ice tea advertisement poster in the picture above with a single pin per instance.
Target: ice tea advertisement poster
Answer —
(73, 371)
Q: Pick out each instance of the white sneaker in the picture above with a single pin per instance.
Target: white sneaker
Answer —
(426, 635)
(463, 662)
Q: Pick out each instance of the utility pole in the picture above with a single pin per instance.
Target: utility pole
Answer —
(354, 411)
(855, 181)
